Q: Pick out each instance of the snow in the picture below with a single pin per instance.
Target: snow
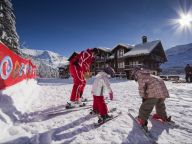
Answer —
(128, 46)
(105, 49)
(48, 57)
(77, 127)
(47, 62)
(179, 56)
(140, 49)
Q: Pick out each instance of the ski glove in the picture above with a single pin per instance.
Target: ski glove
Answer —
(111, 96)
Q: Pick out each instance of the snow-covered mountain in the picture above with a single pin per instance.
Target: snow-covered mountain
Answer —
(48, 57)
(178, 57)
(46, 61)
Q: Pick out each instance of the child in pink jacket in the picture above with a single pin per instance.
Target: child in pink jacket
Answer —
(153, 91)
(101, 83)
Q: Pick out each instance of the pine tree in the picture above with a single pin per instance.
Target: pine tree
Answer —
(8, 34)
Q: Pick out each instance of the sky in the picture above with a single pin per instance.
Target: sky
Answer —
(65, 26)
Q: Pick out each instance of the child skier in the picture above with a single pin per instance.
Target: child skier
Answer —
(153, 91)
(100, 84)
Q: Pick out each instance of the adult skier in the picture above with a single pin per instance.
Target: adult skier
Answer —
(78, 66)
(153, 91)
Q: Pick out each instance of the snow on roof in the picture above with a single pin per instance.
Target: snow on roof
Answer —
(105, 49)
(142, 49)
(111, 57)
(128, 46)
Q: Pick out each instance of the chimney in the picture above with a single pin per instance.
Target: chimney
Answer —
(144, 39)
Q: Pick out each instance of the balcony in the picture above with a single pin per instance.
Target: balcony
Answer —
(130, 67)
(100, 59)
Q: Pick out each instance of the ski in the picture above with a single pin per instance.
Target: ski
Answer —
(110, 111)
(43, 116)
(68, 110)
(87, 100)
(113, 117)
(170, 123)
(146, 133)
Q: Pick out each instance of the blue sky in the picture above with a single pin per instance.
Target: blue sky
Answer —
(64, 26)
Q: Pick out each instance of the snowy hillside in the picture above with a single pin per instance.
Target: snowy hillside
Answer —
(46, 61)
(77, 127)
(178, 57)
(48, 57)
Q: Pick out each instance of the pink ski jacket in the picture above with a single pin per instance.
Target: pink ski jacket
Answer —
(151, 86)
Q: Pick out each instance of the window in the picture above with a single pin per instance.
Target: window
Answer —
(120, 53)
(121, 65)
(133, 63)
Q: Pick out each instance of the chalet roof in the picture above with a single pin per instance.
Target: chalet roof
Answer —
(105, 49)
(111, 57)
(127, 46)
(142, 49)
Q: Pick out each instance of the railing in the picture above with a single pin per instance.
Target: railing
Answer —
(130, 67)
(100, 59)
(120, 75)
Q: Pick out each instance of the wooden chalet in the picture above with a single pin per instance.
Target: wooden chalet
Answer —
(101, 59)
(124, 57)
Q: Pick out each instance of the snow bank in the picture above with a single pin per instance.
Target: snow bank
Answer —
(17, 99)
(22, 94)
(14, 101)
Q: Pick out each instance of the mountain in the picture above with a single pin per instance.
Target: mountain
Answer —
(178, 57)
(46, 61)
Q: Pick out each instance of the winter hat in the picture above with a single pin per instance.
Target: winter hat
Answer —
(135, 70)
(109, 70)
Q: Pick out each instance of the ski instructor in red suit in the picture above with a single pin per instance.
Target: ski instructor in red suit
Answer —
(79, 65)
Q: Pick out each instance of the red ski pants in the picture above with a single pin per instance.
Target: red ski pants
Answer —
(79, 83)
(99, 105)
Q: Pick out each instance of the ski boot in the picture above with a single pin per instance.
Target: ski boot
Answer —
(104, 118)
(70, 105)
(93, 112)
(142, 123)
(161, 118)
(84, 99)
(82, 104)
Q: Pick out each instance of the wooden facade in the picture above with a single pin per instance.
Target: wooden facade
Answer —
(124, 57)
(101, 59)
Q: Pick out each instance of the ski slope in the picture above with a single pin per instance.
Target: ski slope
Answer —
(77, 127)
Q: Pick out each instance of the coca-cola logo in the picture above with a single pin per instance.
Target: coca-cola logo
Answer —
(6, 67)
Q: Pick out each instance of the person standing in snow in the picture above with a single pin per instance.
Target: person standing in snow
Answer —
(187, 72)
(79, 65)
(100, 84)
(153, 91)
(190, 74)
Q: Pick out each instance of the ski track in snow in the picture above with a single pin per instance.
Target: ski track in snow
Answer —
(77, 127)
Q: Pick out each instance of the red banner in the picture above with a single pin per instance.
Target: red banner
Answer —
(14, 68)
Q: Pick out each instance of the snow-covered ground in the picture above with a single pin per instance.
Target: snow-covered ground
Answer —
(77, 127)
